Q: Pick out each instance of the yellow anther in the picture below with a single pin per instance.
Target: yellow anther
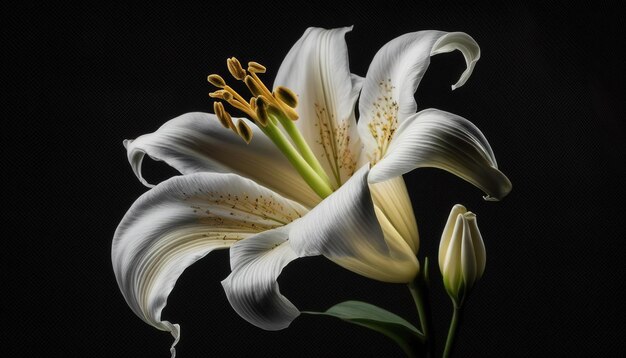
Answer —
(235, 69)
(218, 108)
(253, 86)
(229, 120)
(222, 115)
(221, 94)
(217, 81)
(256, 67)
(261, 110)
(244, 131)
(286, 96)
(216, 94)
(253, 103)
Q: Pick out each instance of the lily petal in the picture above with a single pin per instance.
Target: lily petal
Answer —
(446, 237)
(252, 289)
(387, 98)
(180, 221)
(438, 139)
(196, 142)
(345, 229)
(317, 69)
(392, 198)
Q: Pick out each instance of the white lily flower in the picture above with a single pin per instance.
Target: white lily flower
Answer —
(299, 196)
(462, 255)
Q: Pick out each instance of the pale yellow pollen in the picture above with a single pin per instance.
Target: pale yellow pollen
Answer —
(241, 211)
(334, 138)
(384, 120)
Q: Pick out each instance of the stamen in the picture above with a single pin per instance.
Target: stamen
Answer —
(216, 94)
(253, 86)
(287, 96)
(222, 115)
(256, 67)
(221, 94)
(218, 108)
(227, 96)
(217, 81)
(268, 111)
(235, 69)
(244, 131)
(261, 111)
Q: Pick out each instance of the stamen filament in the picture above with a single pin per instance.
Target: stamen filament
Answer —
(303, 147)
(318, 184)
(267, 109)
(235, 94)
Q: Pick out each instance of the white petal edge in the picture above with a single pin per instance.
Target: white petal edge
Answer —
(252, 289)
(197, 142)
(438, 139)
(345, 229)
(177, 223)
(317, 69)
(398, 68)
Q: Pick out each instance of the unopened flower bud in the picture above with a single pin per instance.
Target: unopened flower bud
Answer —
(462, 253)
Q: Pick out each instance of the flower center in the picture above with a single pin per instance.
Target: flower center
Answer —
(274, 114)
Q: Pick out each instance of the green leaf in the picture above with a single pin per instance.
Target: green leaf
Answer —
(407, 336)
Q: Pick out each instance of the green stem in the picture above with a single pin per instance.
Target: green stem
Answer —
(303, 147)
(454, 325)
(418, 298)
(419, 291)
(317, 183)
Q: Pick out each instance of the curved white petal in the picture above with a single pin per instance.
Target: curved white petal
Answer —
(438, 139)
(452, 269)
(197, 142)
(252, 289)
(178, 222)
(446, 236)
(316, 68)
(468, 256)
(478, 245)
(393, 200)
(387, 98)
(345, 229)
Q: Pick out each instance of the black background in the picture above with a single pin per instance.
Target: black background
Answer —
(548, 93)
